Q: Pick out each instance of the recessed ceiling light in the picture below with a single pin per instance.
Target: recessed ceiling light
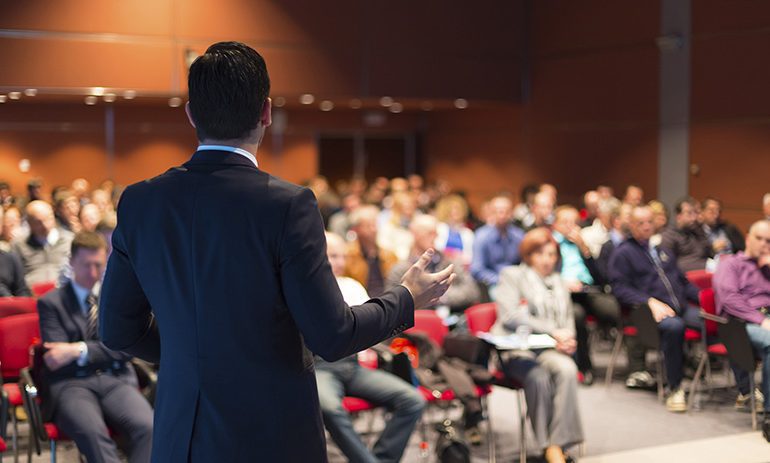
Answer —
(396, 107)
(3, 98)
(175, 102)
(97, 91)
(129, 94)
(90, 100)
(14, 95)
(461, 103)
(30, 92)
(109, 97)
(279, 101)
(326, 105)
(306, 98)
(386, 101)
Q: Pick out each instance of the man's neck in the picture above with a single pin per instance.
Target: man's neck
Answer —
(246, 145)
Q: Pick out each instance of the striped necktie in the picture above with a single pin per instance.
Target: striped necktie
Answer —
(93, 317)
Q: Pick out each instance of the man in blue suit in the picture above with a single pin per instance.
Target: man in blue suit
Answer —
(219, 272)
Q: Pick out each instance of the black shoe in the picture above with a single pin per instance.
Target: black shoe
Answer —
(766, 429)
(587, 378)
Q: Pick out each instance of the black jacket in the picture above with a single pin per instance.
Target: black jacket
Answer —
(219, 271)
(12, 276)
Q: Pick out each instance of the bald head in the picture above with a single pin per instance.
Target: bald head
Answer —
(40, 218)
(758, 239)
(423, 228)
(641, 223)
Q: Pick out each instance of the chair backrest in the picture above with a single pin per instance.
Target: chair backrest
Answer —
(646, 327)
(700, 278)
(39, 289)
(736, 340)
(481, 317)
(707, 303)
(17, 334)
(17, 305)
(428, 322)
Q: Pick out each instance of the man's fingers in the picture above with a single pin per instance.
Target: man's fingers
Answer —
(422, 262)
(443, 274)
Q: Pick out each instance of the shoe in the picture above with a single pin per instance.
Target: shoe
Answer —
(743, 401)
(766, 429)
(586, 378)
(640, 380)
(676, 401)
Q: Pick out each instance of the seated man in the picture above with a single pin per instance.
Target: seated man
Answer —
(463, 293)
(11, 273)
(645, 276)
(44, 252)
(367, 263)
(578, 270)
(725, 238)
(742, 289)
(687, 239)
(91, 387)
(345, 377)
(496, 244)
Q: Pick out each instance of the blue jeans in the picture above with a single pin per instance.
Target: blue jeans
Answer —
(345, 377)
(672, 342)
(760, 339)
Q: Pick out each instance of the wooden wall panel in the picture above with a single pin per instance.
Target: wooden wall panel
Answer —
(723, 16)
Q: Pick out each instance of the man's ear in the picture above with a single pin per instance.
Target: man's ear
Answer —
(266, 118)
(189, 115)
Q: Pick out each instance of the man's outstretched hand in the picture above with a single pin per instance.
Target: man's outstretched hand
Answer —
(427, 288)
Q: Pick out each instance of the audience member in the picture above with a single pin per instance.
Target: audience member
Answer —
(103, 200)
(81, 188)
(12, 228)
(742, 290)
(454, 239)
(647, 277)
(542, 211)
(367, 262)
(463, 293)
(634, 195)
(598, 232)
(578, 272)
(91, 387)
(522, 213)
(11, 273)
(605, 192)
(67, 211)
(393, 233)
(6, 197)
(90, 215)
(46, 249)
(589, 213)
(346, 377)
(659, 220)
(339, 222)
(725, 238)
(496, 244)
(534, 295)
(551, 191)
(687, 240)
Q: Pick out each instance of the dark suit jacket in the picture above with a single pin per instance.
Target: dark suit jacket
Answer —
(219, 271)
(62, 320)
(12, 276)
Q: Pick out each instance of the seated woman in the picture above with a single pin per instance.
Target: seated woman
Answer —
(534, 295)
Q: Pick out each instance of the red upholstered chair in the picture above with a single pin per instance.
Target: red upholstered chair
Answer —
(17, 305)
(39, 289)
(39, 431)
(17, 334)
(700, 278)
(480, 319)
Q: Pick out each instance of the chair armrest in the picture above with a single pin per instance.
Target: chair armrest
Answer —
(712, 317)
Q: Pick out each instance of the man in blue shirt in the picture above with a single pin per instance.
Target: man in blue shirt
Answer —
(647, 277)
(496, 244)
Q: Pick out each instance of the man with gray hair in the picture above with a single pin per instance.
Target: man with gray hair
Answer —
(46, 249)
(598, 232)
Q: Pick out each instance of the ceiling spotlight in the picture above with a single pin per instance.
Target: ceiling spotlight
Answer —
(396, 107)
(306, 98)
(461, 103)
(386, 101)
(3, 98)
(97, 91)
(129, 94)
(14, 95)
(279, 102)
(30, 92)
(355, 103)
(109, 97)
(90, 100)
(175, 102)
(24, 165)
(326, 105)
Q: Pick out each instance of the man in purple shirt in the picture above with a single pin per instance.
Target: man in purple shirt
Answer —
(742, 289)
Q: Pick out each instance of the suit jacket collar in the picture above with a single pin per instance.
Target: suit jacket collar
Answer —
(73, 307)
(219, 157)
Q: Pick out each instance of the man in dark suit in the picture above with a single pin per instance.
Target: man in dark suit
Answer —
(91, 386)
(224, 267)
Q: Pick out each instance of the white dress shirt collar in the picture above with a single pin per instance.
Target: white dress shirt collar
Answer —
(232, 149)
